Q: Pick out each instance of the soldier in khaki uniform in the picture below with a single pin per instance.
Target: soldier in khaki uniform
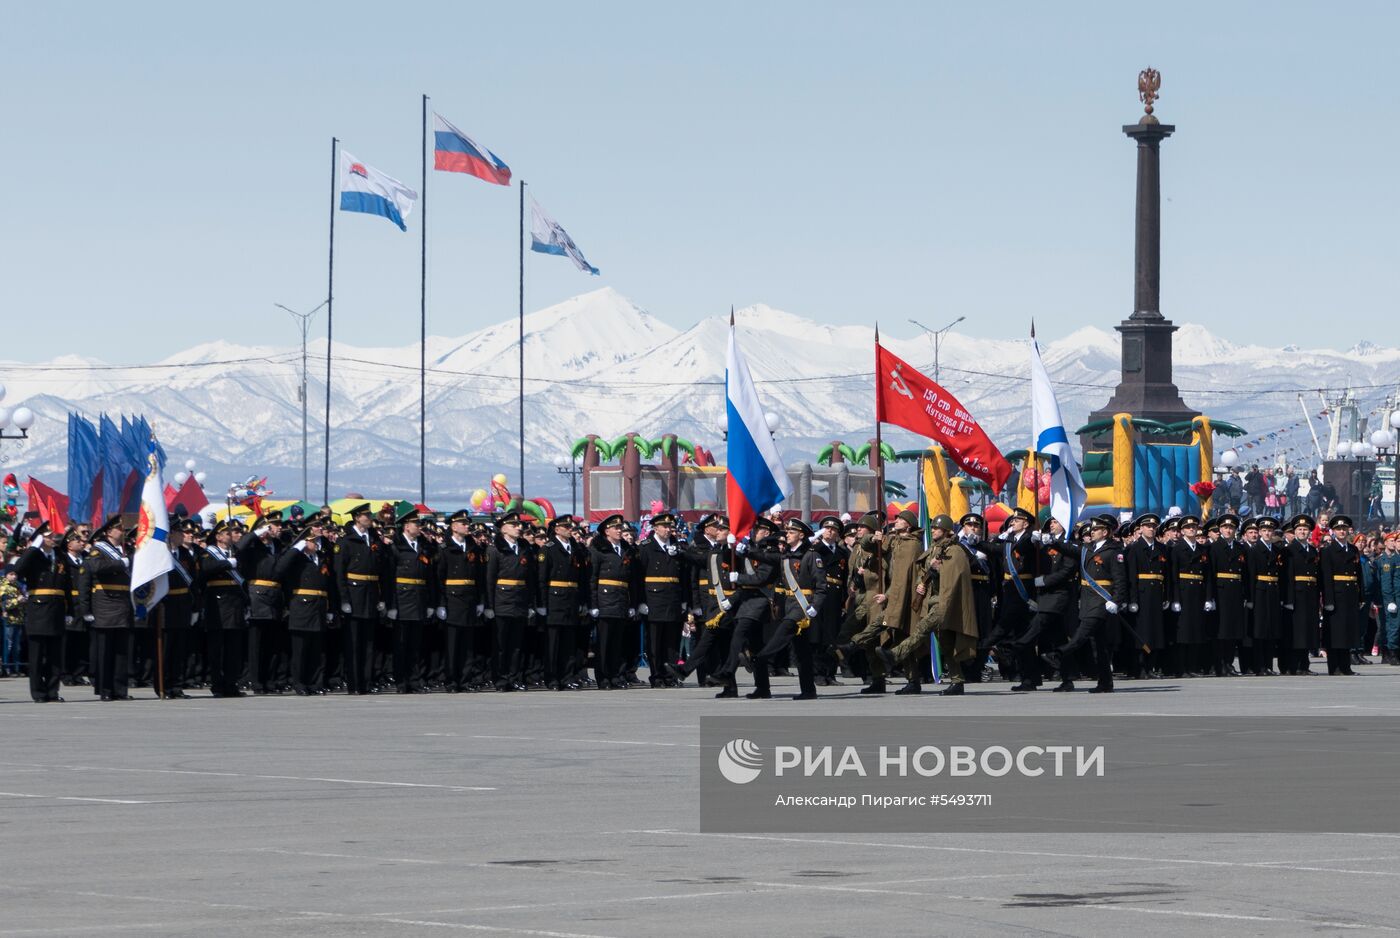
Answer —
(890, 615)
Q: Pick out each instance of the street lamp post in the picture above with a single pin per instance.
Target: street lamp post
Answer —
(1384, 442)
(566, 467)
(18, 418)
(304, 322)
(936, 336)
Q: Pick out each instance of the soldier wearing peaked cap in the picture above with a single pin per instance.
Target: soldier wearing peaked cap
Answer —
(257, 552)
(1229, 562)
(563, 588)
(613, 597)
(1343, 599)
(1148, 563)
(305, 567)
(77, 639)
(665, 591)
(753, 593)
(1103, 592)
(47, 579)
(1019, 560)
(1056, 587)
(835, 557)
(460, 573)
(511, 577)
(1301, 595)
(1192, 598)
(363, 580)
(225, 616)
(105, 604)
(984, 556)
(412, 602)
(1265, 572)
(801, 591)
(708, 556)
(178, 612)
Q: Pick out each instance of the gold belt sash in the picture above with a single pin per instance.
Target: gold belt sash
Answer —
(361, 576)
(1150, 576)
(563, 584)
(47, 593)
(321, 593)
(1227, 576)
(663, 579)
(273, 584)
(459, 582)
(613, 583)
(1086, 581)
(409, 581)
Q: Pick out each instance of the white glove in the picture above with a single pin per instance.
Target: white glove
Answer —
(814, 538)
(1329, 608)
(810, 612)
(89, 618)
(1040, 581)
(1288, 606)
(379, 607)
(479, 608)
(726, 605)
(490, 613)
(643, 609)
(1132, 607)
(300, 545)
(1004, 535)
(442, 612)
(1035, 537)
(1032, 605)
(593, 613)
(194, 618)
(741, 548)
(1390, 608)
(1248, 604)
(330, 617)
(1111, 607)
(1209, 606)
(67, 620)
(542, 611)
(393, 614)
(345, 608)
(264, 532)
(733, 576)
(530, 613)
(1176, 607)
(731, 540)
(1166, 605)
(631, 613)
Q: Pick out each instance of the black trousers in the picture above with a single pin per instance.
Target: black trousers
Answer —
(408, 644)
(558, 653)
(226, 651)
(748, 630)
(785, 636)
(1097, 632)
(663, 647)
(509, 632)
(460, 642)
(1045, 632)
(359, 644)
(264, 653)
(112, 662)
(629, 649)
(45, 652)
(308, 661)
(174, 657)
(607, 662)
(432, 655)
(75, 655)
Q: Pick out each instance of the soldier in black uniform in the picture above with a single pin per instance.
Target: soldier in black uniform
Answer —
(47, 578)
(984, 557)
(75, 669)
(1343, 599)
(105, 604)
(363, 580)
(1054, 588)
(225, 612)
(665, 590)
(801, 591)
(753, 586)
(257, 553)
(835, 557)
(411, 601)
(1103, 591)
(1193, 596)
(708, 557)
(1229, 563)
(305, 569)
(1267, 563)
(177, 610)
(461, 571)
(1020, 559)
(562, 588)
(1148, 568)
(1301, 597)
(511, 577)
(613, 596)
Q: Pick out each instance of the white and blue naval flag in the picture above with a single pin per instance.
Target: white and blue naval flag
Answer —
(1067, 496)
(365, 189)
(549, 237)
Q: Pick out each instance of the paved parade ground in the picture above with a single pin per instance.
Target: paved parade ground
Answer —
(558, 814)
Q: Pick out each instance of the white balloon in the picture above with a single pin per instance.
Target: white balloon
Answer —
(181, 477)
(199, 477)
(4, 417)
(189, 465)
(23, 417)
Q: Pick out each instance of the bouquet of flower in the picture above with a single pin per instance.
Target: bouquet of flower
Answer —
(1203, 490)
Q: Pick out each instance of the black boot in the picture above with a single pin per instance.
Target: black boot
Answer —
(911, 687)
(876, 686)
(952, 690)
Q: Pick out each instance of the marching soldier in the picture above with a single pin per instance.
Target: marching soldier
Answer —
(1103, 591)
(562, 585)
(1229, 563)
(1148, 568)
(664, 593)
(1054, 589)
(257, 553)
(1020, 557)
(47, 578)
(613, 593)
(984, 559)
(865, 574)
(461, 571)
(890, 615)
(305, 569)
(835, 558)
(411, 602)
(1339, 570)
(225, 612)
(948, 612)
(753, 598)
(511, 571)
(1193, 595)
(105, 604)
(801, 590)
(361, 585)
(708, 556)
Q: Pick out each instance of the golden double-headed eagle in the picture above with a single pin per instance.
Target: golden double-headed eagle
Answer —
(1149, 81)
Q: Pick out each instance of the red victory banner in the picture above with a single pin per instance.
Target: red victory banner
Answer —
(908, 399)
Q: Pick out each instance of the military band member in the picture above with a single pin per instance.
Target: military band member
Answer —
(800, 590)
(664, 593)
(1339, 572)
(105, 604)
(47, 579)
(511, 571)
(1193, 596)
(564, 588)
(306, 570)
(362, 583)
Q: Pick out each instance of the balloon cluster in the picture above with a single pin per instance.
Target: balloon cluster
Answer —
(11, 492)
(485, 502)
(1038, 481)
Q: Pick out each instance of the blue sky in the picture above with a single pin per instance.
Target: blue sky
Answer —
(169, 164)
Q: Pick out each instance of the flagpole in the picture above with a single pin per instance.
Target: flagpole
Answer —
(879, 456)
(521, 245)
(330, 320)
(423, 320)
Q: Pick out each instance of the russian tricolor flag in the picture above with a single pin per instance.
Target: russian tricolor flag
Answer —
(455, 152)
(756, 480)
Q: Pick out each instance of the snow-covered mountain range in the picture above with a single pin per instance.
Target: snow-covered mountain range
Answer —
(599, 363)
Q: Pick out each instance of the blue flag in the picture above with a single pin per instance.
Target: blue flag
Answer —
(114, 465)
(84, 468)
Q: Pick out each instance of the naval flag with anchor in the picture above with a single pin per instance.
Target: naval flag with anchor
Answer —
(151, 561)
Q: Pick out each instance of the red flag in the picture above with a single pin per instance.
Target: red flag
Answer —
(191, 496)
(908, 399)
(50, 503)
